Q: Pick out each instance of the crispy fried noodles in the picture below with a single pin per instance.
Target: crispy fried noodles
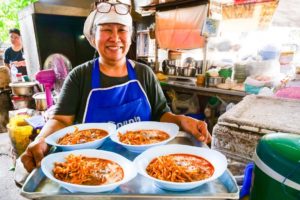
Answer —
(87, 171)
(180, 168)
(141, 137)
(83, 136)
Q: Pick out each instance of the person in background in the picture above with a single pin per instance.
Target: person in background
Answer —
(110, 88)
(14, 54)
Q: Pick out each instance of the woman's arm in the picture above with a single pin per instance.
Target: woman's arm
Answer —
(55, 123)
(193, 126)
(36, 150)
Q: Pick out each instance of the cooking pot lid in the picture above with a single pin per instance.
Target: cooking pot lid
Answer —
(22, 84)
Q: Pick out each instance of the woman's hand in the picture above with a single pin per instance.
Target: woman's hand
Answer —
(34, 153)
(38, 149)
(188, 124)
(196, 127)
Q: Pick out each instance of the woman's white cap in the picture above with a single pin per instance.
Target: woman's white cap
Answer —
(95, 18)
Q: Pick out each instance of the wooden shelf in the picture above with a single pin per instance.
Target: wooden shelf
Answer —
(227, 95)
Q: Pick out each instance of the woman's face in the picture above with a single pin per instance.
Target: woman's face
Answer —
(15, 39)
(113, 41)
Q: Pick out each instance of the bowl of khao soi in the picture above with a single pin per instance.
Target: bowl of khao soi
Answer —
(180, 167)
(139, 136)
(88, 170)
(81, 136)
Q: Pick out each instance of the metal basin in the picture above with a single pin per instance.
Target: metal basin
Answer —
(22, 88)
(40, 101)
(20, 102)
(214, 81)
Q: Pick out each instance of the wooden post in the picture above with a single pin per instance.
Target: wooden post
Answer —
(204, 66)
(156, 57)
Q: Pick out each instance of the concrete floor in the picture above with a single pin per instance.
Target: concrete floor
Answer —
(8, 188)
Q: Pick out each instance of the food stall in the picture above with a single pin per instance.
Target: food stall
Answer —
(136, 166)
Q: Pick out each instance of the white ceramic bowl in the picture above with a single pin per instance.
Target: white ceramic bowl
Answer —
(129, 169)
(53, 138)
(169, 128)
(217, 159)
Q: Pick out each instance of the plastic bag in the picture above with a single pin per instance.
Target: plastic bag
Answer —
(184, 103)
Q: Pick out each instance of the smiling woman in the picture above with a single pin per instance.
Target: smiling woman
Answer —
(111, 88)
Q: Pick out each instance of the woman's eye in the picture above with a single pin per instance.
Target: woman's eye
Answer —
(123, 30)
(106, 30)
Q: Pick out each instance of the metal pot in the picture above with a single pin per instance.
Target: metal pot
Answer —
(20, 102)
(214, 81)
(170, 70)
(188, 71)
(22, 88)
(40, 101)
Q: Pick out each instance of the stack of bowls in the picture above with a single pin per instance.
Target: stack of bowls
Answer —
(22, 94)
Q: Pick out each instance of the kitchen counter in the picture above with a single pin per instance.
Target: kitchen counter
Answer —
(188, 85)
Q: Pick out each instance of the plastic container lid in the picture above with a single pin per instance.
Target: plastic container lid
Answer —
(20, 98)
(281, 152)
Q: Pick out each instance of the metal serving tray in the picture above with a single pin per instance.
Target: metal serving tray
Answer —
(38, 186)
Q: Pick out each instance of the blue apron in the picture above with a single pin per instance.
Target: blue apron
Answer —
(121, 104)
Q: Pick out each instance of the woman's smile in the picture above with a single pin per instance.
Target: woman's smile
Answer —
(114, 48)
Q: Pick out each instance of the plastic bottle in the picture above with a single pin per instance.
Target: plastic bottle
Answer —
(13, 71)
(19, 77)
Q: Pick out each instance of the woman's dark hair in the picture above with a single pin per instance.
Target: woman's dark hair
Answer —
(15, 30)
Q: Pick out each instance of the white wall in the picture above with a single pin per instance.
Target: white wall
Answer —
(287, 14)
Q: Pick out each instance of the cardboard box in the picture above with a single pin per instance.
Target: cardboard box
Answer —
(243, 16)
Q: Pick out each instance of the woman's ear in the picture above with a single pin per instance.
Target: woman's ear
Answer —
(93, 43)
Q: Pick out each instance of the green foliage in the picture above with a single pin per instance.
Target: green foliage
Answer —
(9, 15)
